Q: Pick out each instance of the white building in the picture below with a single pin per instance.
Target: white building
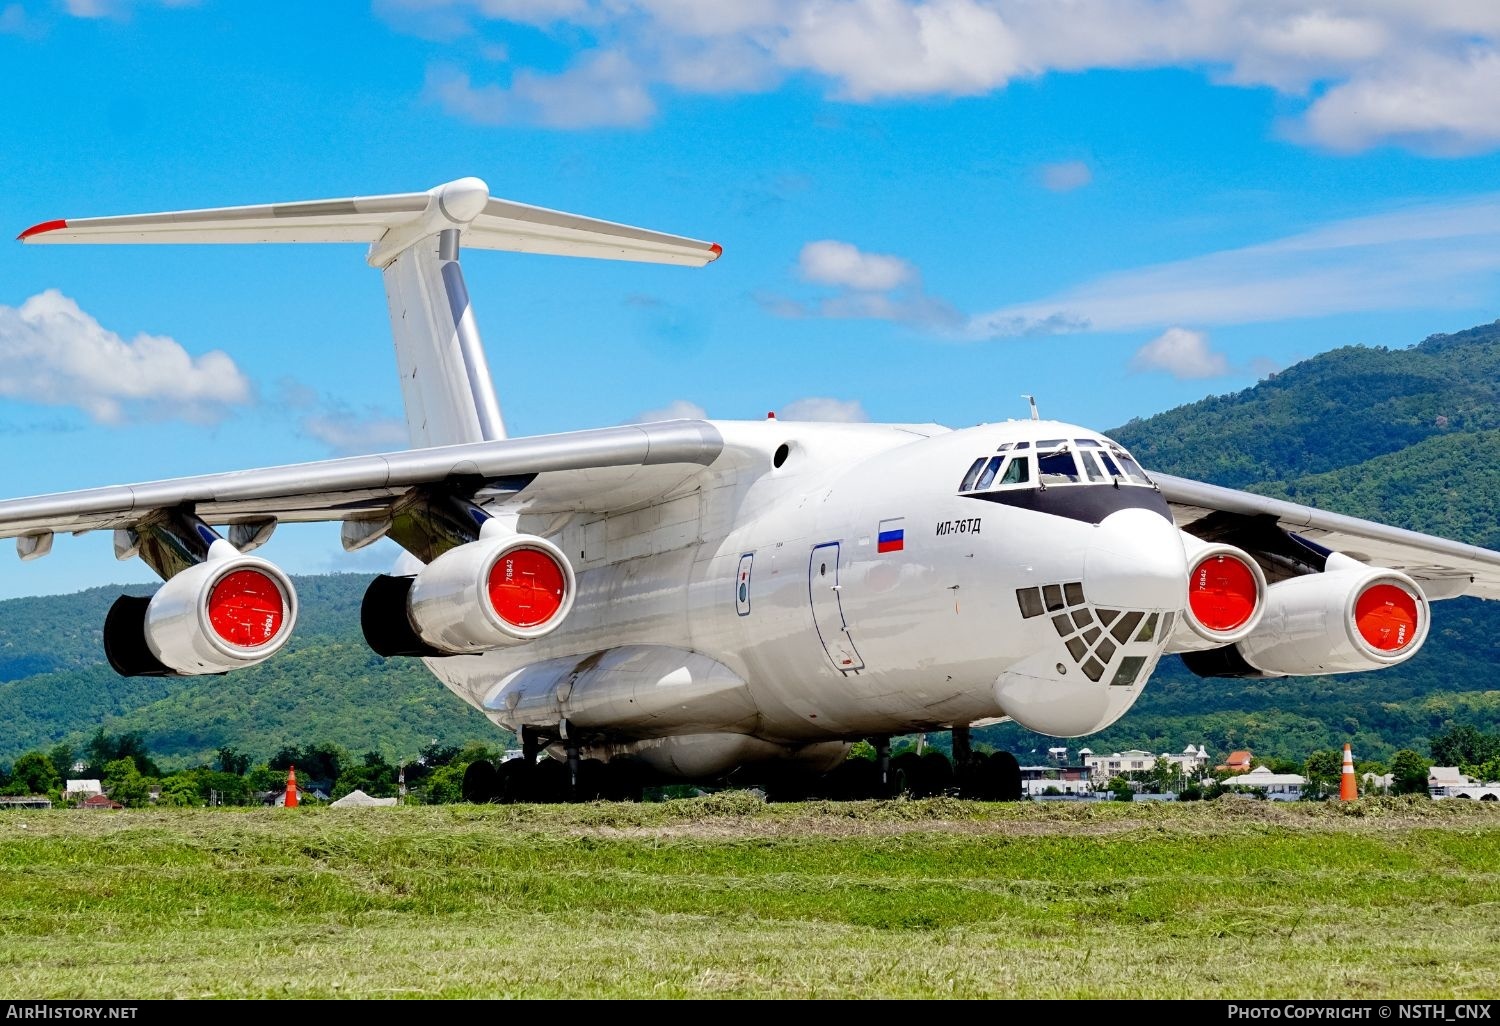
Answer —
(77, 790)
(1279, 787)
(1448, 782)
(1102, 767)
(1191, 762)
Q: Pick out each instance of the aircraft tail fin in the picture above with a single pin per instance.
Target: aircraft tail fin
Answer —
(415, 240)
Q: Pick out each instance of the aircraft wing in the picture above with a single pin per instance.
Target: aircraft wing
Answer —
(599, 470)
(1444, 568)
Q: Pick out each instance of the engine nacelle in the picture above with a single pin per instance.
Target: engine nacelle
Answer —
(502, 590)
(1349, 618)
(1226, 597)
(223, 614)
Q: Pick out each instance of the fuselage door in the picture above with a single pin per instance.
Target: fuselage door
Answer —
(828, 609)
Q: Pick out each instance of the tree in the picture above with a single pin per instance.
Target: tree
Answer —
(224, 788)
(231, 760)
(374, 776)
(124, 784)
(323, 761)
(1464, 746)
(35, 772)
(179, 790)
(1323, 768)
(1409, 772)
(61, 756)
(1121, 789)
(103, 749)
(445, 784)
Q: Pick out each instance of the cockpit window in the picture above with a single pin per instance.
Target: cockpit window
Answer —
(1019, 471)
(989, 472)
(1059, 461)
(1132, 468)
(973, 474)
(1057, 468)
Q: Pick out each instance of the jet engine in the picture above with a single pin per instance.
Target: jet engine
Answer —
(215, 616)
(502, 590)
(1351, 617)
(1226, 597)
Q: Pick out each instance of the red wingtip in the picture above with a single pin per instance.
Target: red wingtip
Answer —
(37, 229)
(716, 249)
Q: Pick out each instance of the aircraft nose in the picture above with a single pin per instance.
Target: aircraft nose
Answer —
(1135, 560)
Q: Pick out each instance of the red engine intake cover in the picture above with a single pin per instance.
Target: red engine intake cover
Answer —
(246, 608)
(1386, 617)
(526, 587)
(1222, 592)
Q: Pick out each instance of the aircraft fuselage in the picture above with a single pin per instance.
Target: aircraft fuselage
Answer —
(849, 591)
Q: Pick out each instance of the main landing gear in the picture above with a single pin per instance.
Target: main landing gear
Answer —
(995, 777)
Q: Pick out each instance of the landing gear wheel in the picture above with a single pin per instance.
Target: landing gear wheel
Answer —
(480, 782)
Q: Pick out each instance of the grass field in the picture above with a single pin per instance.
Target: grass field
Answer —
(726, 896)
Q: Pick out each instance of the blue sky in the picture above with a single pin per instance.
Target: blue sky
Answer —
(927, 209)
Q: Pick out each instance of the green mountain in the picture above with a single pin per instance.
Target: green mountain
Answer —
(1408, 436)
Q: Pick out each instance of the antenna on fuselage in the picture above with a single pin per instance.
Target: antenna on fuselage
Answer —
(1032, 400)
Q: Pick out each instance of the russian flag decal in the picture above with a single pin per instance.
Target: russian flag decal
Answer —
(892, 536)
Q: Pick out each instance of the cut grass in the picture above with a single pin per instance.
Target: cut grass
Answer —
(726, 896)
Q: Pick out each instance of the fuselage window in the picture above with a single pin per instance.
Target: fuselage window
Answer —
(1090, 467)
(973, 474)
(989, 472)
(1019, 471)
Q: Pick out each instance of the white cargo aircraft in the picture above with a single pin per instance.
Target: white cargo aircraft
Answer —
(692, 598)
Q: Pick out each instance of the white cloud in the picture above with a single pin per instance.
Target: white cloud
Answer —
(870, 286)
(845, 411)
(1182, 354)
(829, 262)
(1067, 176)
(1413, 73)
(353, 434)
(1434, 255)
(880, 48)
(677, 409)
(1438, 106)
(52, 352)
(600, 90)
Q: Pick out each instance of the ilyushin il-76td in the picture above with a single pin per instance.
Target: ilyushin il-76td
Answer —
(720, 600)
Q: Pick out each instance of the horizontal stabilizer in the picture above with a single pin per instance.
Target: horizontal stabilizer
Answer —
(391, 224)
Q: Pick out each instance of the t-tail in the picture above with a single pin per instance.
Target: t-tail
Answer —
(415, 240)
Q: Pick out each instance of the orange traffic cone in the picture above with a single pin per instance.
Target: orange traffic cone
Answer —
(1348, 786)
(291, 785)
